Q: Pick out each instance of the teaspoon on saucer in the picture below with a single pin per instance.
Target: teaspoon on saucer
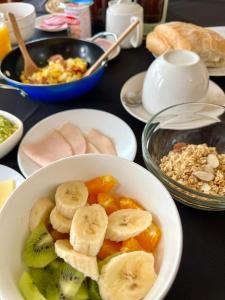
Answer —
(132, 99)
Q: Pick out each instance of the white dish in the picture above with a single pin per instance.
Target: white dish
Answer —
(40, 19)
(215, 95)
(110, 125)
(217, 71)
(135, 181)
(25, 15)
(13, 139)
(7, 173)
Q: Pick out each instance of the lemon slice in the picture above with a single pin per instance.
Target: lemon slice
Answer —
(6, 187)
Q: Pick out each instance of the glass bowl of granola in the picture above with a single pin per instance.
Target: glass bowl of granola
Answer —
(184, 146)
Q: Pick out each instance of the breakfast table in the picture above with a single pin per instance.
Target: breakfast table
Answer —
(201, 275)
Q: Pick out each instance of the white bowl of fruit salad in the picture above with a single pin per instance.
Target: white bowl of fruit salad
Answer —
(89, 227)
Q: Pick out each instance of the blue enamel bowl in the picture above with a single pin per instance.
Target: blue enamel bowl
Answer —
(40, 50)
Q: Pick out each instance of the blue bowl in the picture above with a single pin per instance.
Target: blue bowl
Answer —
(40, 50)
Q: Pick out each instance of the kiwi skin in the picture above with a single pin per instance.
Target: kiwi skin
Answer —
(67, 285)
(39, 248)
(28, 289)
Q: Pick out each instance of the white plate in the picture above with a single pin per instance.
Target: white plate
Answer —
(7, 173)
(217, 71)
(40, 19)
(215, 95)
(214, 71)
(109, 124)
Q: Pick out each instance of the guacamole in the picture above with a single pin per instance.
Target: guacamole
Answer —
(7, 128)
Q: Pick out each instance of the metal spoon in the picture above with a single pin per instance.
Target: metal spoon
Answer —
(132, 99)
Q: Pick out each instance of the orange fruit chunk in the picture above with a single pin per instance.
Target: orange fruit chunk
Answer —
(101, 184)
(130, 245)
(108, 202)
(129, 203)
(108, 248)
(149, 238)
(92, 199)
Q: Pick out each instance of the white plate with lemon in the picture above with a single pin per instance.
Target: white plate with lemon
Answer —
(9, 181)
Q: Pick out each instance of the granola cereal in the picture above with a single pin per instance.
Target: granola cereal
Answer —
(198, 167)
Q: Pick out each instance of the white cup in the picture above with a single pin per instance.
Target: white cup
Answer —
(175, 77)
(119, 15)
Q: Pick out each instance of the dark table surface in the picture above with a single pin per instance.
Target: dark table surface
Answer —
(201, 275)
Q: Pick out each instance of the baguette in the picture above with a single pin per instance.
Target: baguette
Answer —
(209, 45)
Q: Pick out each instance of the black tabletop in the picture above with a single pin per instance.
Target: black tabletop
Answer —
(201, 275)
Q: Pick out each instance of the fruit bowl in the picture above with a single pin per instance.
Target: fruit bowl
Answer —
(135, 182)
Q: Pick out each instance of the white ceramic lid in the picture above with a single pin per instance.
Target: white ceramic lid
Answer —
(124, 8)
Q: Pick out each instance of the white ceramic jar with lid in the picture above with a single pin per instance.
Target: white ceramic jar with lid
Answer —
(119, 15)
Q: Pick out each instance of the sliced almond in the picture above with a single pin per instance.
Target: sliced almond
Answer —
(208, 169)
(204, 176)
(205, 188)
(213, 161)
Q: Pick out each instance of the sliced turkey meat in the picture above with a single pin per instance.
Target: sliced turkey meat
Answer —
(74, 137)
(101, 142)
(49, 149)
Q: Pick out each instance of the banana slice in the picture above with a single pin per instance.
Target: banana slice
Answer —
(40, 212)
(126, 223)
(127, 276)
(88, 229)
(70, 196)
(59, 222)
(83, 263)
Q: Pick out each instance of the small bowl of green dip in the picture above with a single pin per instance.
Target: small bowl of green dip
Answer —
(11, 130)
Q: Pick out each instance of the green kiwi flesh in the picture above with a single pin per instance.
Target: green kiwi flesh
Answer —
(41, 278)
(39, 248)
(28, 289)
(67, 286)
(93, 290)
(82, 293)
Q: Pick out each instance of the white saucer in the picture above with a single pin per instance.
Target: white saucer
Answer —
(109, 124)
(40, 19)
(215, 95)
(7, 173)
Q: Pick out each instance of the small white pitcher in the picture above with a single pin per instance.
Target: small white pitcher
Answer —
(119, 15)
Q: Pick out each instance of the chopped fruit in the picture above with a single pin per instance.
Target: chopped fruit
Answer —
(108, 202)
(92, 199)
(101, 184)
(58, 235)
(149, 238)
(130, 245)
(129, 203)
(108, 248)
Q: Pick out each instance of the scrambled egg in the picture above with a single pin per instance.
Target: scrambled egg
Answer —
(58, 70)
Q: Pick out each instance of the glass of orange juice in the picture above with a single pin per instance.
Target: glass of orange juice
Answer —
(5, 45)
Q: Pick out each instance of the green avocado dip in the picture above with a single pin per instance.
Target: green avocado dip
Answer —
(7, 128)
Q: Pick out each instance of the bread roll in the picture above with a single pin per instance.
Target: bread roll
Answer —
(209, 45)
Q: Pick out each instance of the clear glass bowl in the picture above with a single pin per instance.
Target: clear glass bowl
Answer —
(191, 123)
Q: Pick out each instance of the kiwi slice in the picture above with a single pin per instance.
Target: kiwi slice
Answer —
(28, 289)
(68, 284)
(82, 293)
(41, 278)
(93, 290)
(39, 248)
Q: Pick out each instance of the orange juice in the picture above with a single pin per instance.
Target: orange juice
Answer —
(5, 45)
